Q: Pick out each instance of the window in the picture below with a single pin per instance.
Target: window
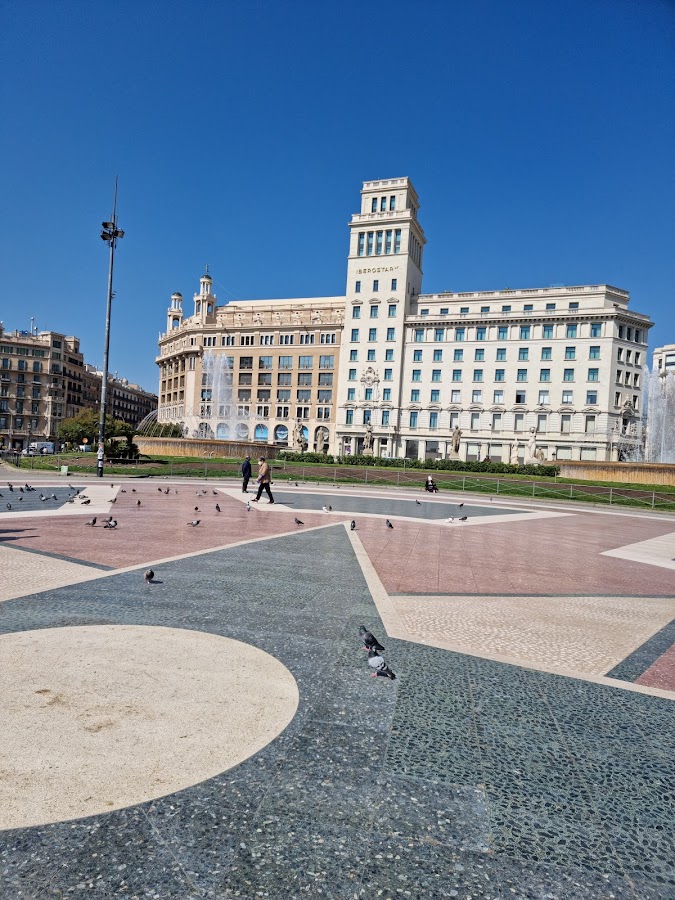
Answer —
(394, 284)
(368, 394)
(617, 398)
(372, 334)
(594, 352)
(349, 417)
(565, 423)
(373, 204)
(570, 352)
(621, 331)
(357, 287)
(356, 312)
(264, 378)
(285, 362)
(522, 375)
(503, 332)
(283, 378)
(304, 378)
(463, 310)
(355, 334)
(370, 356)
(568, 375)
(385, 417)
(477, 374)
(521, 397)
(435, 396)
(415, 395)
(591, 398)
(391, 310)
(546, 353)
(525, 332)
(544, 398)
(596, 329)
(459, 334)
(435, 374)
(506, 308)
(475, 421)
(306, 362)
(496, 421)
(388, 355)
(568, 397)
(264, 362)
(386, 394)
(353, 355)
(574, 305)
(528, 307)
(416, 374)
(323, 412)
(479, 354)
(374, 311)
(391, 334)
(351, 394)
(458, 356)
(246, 362)
(571, 331)
(285, 339)
(498, 397)
(481, 334)
(501, 354)
(283, 395)
(456, 374)
(484, 309)
(593, 375)
(419, 335)
(433, 420)
(352, 375)
(519, 422)
(327, 362)
(438, 356)
(589, 424)
(417, 356)
(550, 306)
(379, 237)
(397, 240)
(542, 423)
(424, 312)
(547, 332)
(456, 396)
(477, 396)
(304, 396)
(388, 374)
(523, 354)
(544, 374)
(413, 418)
(376, 285)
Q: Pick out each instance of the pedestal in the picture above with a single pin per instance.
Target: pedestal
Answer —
(366, 452)
(453, 454)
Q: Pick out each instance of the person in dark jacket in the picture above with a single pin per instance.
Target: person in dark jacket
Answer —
(245, 474)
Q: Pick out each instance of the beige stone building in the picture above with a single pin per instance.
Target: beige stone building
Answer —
(40, 385)
(125, 401)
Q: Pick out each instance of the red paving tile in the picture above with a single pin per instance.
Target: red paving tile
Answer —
(661, 674)
(157, 529)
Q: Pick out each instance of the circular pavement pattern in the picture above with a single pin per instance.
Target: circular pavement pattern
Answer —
(96, 718)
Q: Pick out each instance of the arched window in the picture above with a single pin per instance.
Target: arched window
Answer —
(241, 432)
(281, 434)
(223, 431)
(261, 433)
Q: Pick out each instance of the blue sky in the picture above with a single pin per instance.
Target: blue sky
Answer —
(539, 137)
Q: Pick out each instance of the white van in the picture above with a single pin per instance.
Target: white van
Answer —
(41, 446)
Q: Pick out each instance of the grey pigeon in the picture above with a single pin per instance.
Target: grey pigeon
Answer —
(21, 489)
(248, 506)
(330, 508)
(460, 505)
(418, 502)
(215, 493)
(122, 491)
(91, 521)
(217, 507)
(86, 502)
(194, 522)
(463, 518)
(167, 491)
(113, 500)
(138, 503)
(2, 495)
(20, 499)
(133, 490)
(54, 497)
(370, 642)
(160, 490)
(148, 576)
(298, 522)
(10, 486)
(377, 662)
(352, 526)
(111, 523)
(388, 523)
(196, 509)
(9, 506)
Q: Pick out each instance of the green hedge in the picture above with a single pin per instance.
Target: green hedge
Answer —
(444, 465)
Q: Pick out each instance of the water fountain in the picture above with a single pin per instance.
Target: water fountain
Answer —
(660, 417)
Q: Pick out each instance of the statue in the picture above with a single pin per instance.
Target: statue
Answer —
(513, 458)
(540, 454)
(456, 437)
(368, 437)
(532, 444)
(299, 437)
(322, 437)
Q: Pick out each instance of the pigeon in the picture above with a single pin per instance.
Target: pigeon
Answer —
(167, 491)
(217, 507)
(42, 497)
(196, 509)
(2, 495)
(298, 522)
(10, 486)
(160, 490)
(375, 661)
(112, 485)
(54, 497)
(138, 503)
(324, 509)
(463, 518)
(370, 642)
(296, 484)
(20, 499)
(86, 502)
(122, 491)
(133, 490)
(148, 576)
(9, 506)
(388, 523)
(330, 508)
(352, 526)
(72, 500)
(194, 522)
(215, 493)
(113, 500)
(91, 521)
(21, 489)
(111, 523)
(451, 519)
(461, 505)
(418, 502)
(248, 506)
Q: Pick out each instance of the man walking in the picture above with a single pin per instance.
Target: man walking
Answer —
(245, 473)
(264, 479)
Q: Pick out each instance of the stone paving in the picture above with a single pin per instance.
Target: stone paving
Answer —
(466, 777)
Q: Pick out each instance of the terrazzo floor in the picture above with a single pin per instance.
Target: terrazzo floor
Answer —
(465, 777)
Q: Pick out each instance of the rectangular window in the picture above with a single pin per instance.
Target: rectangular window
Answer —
(498, 397)
(439, 334)
(304, 396)
(387, 241)
(373, 204)
(388, 374)
(571, 331)
(438, 356)
(419, 335)
(353, 355)
(357, 287)
(435, 374)
(352, 375)
(574, 305)
(459, 334)
(544, 374)
(435, 396)
(386, 394)
(376, 285)
(591, 398)
(413, 418)
(481, 334)
(593, 375)
(283, 395)
(283, 378)
(326, 338)
(391, 334)
(542, 423)
(264, 362)
(550, 306)
(503, 332)
(355, 334)
(285, 362)
(285, 339)
(568, 374)
(369, 243)
(456, 396)
(417, 356)
(433, 420)
(415, 395)
(456, 374)
(385, 417)
(389, 355)
(528, 307)
(544, 398)
(589, 424)
(546, 353)
(306, 362)
(475, 421)
(416, 374)
(379, 237)
(458, 356)
(570, 352)
(519, 422)
(463, 310)
(547, 332)
(477, 374)
(356, 312)
(565, 423)
(351, 393)
(477, 396)
(372, 334)
(397, 240)
(479, 355)
(501, 354)
(568, 397)
(391, 310)
(525, 332)
(594, 352)
(521, 397)
(506, 308)
(304, 378)
(368, 394)
(596, 329)
(370, 356)
(523, 354)
(349, 417)
(374, 311)
(521, 375)
(496, 421)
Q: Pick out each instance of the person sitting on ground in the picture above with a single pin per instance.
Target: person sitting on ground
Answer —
(430, 485)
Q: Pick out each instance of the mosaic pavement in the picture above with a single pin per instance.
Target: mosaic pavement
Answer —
(468, 776)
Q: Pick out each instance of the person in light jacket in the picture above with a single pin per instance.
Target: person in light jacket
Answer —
(264, 479)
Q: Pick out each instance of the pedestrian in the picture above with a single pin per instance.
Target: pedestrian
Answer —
(245, 473)
(264, 479)
(430, 485)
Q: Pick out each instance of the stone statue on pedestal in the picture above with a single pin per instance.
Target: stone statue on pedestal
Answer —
(368, 439)
(456, 438)
(513, 458)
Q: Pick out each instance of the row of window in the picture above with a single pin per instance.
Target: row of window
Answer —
(377, 243)
(25, 351)
(543, 398)
(284, 362)
(22, 365)
(382, 202)
(376, 288)
(525, 332)
(500, 354)
(477, 421)
(268, 340)
(5, 422)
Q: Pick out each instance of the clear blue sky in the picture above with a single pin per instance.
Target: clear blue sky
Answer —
(540, 137)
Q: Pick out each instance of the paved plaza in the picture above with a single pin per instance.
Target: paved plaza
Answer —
(215, 733)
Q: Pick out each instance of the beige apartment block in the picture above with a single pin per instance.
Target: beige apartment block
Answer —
(125, 401)
(40, 385)
(257, 370)
(512, 375)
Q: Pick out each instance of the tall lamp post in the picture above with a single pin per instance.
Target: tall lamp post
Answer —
(110, 235)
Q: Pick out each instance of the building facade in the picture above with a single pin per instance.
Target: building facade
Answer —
(511, 375)
(125, 401)
(41, 378)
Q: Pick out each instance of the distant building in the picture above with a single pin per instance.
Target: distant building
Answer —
(40, 385)
(660, 447)
(125, 401)
(664, 359)
(546, 373)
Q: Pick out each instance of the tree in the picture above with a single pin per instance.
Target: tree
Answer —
(85, 425)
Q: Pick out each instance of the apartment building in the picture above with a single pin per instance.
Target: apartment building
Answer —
(125, 401)
(40, 385)
(558, 368)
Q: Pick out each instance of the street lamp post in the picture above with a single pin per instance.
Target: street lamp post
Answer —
(110, 235)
